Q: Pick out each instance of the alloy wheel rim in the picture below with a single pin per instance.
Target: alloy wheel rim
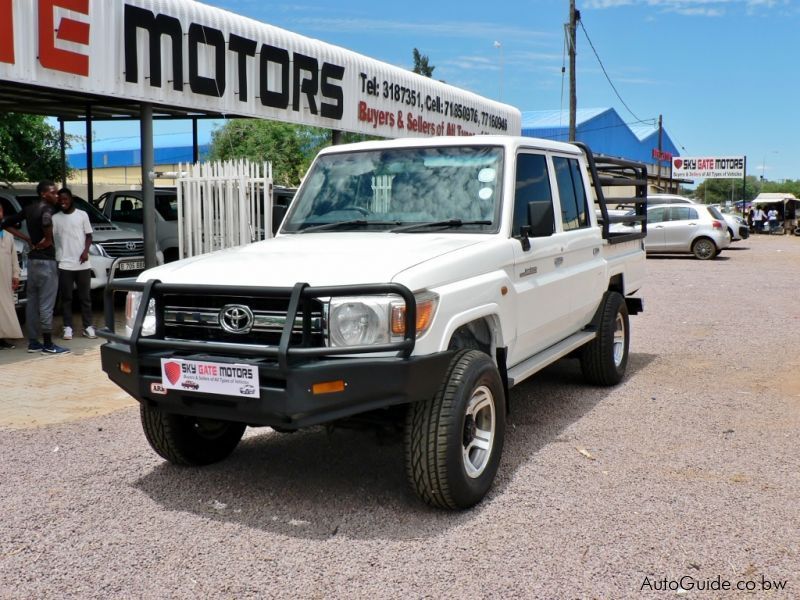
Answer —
(479, 431)
(619, 340)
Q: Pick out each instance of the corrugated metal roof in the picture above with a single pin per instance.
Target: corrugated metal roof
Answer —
(558, 118)
(602, 129)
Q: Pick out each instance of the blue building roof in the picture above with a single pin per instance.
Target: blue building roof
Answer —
(602, 130)
(133, 157)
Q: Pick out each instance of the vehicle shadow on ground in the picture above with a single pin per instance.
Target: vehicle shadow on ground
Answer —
(316, 484)
(718, 258)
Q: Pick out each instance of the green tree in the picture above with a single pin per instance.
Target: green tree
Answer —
(790, 186)
(290, 148)
(719, 191)
(30, 148)
(421, 64)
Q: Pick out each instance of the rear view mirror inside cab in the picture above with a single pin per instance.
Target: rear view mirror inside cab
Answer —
(540, 217)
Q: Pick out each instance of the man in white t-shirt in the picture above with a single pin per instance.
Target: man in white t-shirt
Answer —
(73, 237)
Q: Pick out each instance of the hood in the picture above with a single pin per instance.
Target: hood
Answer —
(319, 259)
(100, 236)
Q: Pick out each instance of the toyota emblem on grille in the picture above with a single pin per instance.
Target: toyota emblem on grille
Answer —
(130, 245)
(236, 318)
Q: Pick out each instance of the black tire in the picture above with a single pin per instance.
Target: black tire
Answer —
(605, 358)
(189, 440)
(446, 468)
(704, 249)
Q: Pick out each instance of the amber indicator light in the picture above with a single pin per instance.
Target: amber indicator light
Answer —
(328, 387)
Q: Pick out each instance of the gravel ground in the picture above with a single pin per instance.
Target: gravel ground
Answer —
(688, 468)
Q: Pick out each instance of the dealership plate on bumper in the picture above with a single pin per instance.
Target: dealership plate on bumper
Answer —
(225, 379)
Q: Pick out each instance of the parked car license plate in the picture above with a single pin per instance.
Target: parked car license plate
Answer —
(131, 265)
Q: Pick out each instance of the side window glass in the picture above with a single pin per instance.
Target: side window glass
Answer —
(533, 198)
(127, 209)
(680, 213)
(656, 215)
(574, 212)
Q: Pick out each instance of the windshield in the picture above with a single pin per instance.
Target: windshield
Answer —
(95, 216)
(384, 189)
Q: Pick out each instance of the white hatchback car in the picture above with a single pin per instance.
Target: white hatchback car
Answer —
(686, 228)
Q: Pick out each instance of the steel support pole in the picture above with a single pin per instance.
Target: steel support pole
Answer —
(62, 138)
(744, 184)
(195, 145)
(148, 195)
(89, 156)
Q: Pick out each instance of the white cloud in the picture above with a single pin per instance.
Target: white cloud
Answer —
(449, 29)
(704, 8)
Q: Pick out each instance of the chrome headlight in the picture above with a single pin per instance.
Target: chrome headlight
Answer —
(359, 321)
(132, 302)
(376, 319)
(97, 250)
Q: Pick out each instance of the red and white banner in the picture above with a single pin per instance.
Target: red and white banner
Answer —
(708, 167)
(187, 54)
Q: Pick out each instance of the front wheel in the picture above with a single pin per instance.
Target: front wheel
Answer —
(605, 358)
(189, 441)
(453, 441)
(704, 249)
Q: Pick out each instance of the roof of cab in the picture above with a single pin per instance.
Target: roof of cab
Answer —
(507, 141)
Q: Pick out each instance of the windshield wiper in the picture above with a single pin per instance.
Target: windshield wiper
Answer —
(337, 224)
(445, 223)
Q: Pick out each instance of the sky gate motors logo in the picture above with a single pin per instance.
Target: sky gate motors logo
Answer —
(65, 29)
(709, 167)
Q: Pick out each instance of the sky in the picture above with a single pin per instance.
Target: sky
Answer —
(722, 73)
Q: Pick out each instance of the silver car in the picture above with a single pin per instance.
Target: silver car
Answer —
(686, 228)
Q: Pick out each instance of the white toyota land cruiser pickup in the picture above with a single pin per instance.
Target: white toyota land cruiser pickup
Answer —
(416, 280)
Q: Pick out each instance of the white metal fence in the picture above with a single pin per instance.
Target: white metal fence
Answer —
(223, 204)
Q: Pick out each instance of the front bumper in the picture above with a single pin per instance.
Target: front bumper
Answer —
(285, 398)
(287, 372)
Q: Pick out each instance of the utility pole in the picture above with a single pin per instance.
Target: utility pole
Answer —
(658, 162)
(574, 17)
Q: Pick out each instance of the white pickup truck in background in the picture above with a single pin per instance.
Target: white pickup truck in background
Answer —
(413, 280)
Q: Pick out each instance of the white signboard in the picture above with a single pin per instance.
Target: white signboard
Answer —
(708, 167)
(209, 377)
(187, 54)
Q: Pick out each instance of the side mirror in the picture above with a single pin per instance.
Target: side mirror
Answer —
(524, 235)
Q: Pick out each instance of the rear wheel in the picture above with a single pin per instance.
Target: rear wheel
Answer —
(605, 358)
(704, 249)
(453, 441)
(189, 440)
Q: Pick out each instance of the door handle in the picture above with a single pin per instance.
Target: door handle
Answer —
(659, 227)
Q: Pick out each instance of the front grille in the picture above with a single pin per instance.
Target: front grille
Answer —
(198, 318)
(123, 248)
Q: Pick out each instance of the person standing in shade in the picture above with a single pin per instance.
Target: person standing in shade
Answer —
(72, 233)
(42, 282)
(772, 217)
(758, 219)
(9, 281)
